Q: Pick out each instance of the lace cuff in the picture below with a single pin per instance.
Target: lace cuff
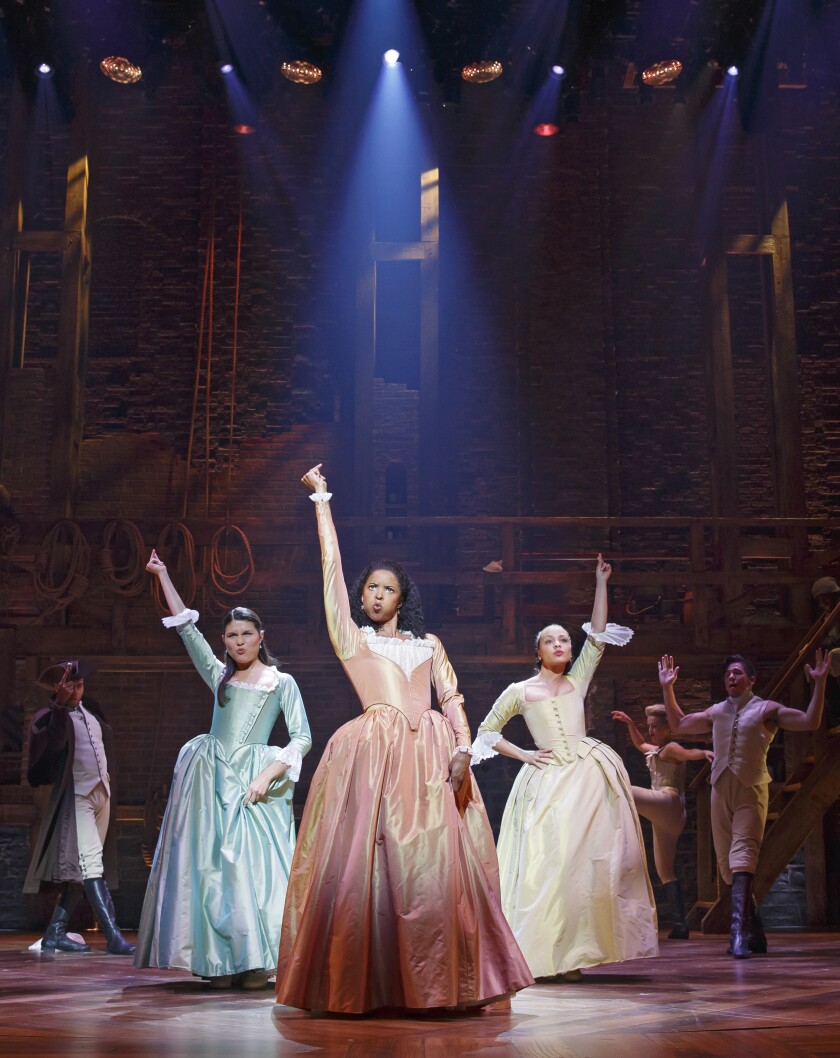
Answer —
(185, 617)
(615, 635)
(482, 747)
(289, 755)
(320, 497)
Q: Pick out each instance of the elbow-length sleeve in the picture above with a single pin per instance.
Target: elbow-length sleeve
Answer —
(450, 699)
(300, 737)
(343, 631)
(490, 729)
(207, 665)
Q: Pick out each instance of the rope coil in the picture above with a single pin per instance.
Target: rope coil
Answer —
(123, 558)
(62, 567)
(183, 565)
(231, 539)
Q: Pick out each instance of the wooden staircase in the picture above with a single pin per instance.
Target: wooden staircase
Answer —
(798, 805)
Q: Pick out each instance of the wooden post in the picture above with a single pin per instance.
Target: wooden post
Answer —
(68, 415)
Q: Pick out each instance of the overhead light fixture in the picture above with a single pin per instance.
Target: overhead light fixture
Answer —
(662, 72)
(391, 57)
(558, 70)
(301, 72)
(546, 128)
(733, 71)
(43, 69)
(121, 70)
(244, 130)
(482, 72)
(226, 69)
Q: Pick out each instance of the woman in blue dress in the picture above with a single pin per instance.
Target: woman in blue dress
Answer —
(214, 902)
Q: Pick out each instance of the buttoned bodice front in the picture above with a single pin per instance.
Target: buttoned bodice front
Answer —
(557, 723)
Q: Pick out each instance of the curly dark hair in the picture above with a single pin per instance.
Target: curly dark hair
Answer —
(242, 613)
(410, 617)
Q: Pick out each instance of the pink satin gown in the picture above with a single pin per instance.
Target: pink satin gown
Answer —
(393, 897)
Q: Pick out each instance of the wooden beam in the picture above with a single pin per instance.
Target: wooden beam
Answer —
(68, 413)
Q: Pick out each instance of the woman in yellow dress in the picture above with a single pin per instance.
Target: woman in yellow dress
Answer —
(393, 896)
(575, 886)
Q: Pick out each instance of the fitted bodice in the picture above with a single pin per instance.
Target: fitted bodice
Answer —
(248, 713)
(399, 672)
(557, 723)
(666, 774)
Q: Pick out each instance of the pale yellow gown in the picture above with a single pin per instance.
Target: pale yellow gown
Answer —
(575, 886)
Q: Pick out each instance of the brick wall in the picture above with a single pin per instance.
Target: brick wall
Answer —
(572, 378)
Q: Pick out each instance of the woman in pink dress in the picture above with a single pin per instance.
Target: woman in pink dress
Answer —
(393, 897)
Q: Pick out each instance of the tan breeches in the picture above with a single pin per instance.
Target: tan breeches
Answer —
(93, 811)
(666, 811)
(738, 816)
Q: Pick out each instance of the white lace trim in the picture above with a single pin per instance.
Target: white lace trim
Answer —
(482, 747)
(320, 497)
(409, 653)
(185, 617)
(289, 755)
(257, 686)
(615, 635)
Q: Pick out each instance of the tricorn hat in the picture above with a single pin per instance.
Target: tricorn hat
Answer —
(825, 586)
(52, 675)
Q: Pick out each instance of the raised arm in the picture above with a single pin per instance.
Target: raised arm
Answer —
(603, 571)
(173, 600)
(794, 719)
(343, 631)
(678, 721)
(207, 664)
(675, 752)
(635, 734)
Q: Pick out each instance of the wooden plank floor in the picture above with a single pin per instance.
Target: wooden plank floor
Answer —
(691, 1002)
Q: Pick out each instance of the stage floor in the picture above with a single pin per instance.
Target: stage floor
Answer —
(693, 1001)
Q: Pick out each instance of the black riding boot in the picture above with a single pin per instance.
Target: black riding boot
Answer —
(739, 932)
(673, 892)
(99, 899)
(757, 939)
(56, 939)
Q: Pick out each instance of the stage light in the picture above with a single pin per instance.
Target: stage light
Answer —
(558, 71)
(733, 71)
(226, 69)
(43, 69)
(482, 72)
(244, 130)
(546, 128)
(121, 70)
(662, 72)
(300, 72)
(391, 57)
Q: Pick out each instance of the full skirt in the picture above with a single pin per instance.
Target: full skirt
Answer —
(575, 885)
(214, 901)
(393, 896)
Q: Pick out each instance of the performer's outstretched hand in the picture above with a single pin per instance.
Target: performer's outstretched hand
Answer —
(819, 670)
(623, 718)
(603, 570)
(668, 672)
(315, 480)
(155, 565)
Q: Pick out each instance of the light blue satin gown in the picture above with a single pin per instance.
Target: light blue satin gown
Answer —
(214, 901)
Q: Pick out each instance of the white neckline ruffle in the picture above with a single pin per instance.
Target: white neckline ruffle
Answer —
(409, 652)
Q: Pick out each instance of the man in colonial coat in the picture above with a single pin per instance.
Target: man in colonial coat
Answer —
(71, 748)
